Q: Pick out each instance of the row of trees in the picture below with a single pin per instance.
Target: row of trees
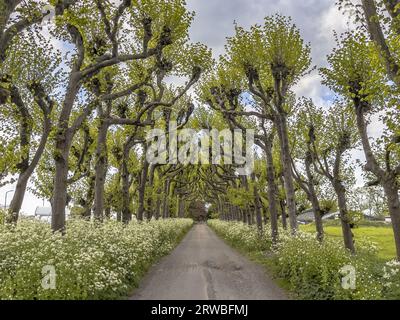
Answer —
(83, 115)
(306, 148)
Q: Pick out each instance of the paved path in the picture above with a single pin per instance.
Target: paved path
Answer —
(203, 267)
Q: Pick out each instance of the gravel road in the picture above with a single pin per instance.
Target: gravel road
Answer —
(203, 267)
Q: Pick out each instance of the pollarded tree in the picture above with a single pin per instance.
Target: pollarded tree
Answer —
(330, 138)
(383, 25)
(224, 91)
(267, 143)
(357, 73)
(380, 18)
(272, 58)
(129, 31)
(302, 162)
(29, 102)
(17, 16)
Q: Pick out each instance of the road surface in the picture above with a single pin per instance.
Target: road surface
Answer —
(203, 267)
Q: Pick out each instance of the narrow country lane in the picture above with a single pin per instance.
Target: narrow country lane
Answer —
(203, 267)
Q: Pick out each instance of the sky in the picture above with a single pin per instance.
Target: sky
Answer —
(317, 19)
(214, 21)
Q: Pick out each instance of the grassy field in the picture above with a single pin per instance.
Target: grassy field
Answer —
(382, 236)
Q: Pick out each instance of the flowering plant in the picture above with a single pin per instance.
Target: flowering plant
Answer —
(314, 270)
(92, 261)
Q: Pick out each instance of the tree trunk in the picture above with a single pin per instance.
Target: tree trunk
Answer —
(59, 199)
(107, 212)
(181, 207)
(313, 198)
(287, 172)
(165, 209)
(344, 217)
(272, 192)
(158, 205)
(318, 218)
(386, 179)
(89, 198)
(142, 189)
(257, 204)
(249, 216)
(100, 171)
(283, 214)
(377, 35)
(126, 198)
(150, 210)
(265, 215)
(244, 216)
(18, 198)
(63, 142)
(27, 168)
(392, 194)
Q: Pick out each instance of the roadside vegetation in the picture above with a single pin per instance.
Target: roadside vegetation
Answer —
(381, 235)
(312, 270)
(90, 261)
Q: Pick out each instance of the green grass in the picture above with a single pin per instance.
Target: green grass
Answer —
(382, 236)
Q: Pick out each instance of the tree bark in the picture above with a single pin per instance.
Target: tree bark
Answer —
(126, 197)
(18, 198)
(313, 198)
(27, 167)
(257, 204)
(284, 214)
(244, 216)
(89, 198)
(100, 171)
(59, 199)
(375, 30)
(287, 172)
(344, 216)
(392, 194)
(165, 206)
(63, 141)
(142, 189)
(158, 205)
(181, 207)
(387, 178)
(272, 192)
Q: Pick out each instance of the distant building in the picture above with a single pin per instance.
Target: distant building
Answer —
(43, 213)
(307, 216)
(370, 217)
(388, 220)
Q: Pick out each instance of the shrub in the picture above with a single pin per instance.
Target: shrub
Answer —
(314, 270)
(2, 216)
(242, 235)
(91, 261)
(392, 277)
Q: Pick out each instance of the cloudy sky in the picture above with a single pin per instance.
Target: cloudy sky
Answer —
(214, 20)
(317, 19)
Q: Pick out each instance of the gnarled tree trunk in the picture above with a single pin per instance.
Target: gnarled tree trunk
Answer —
(100, 171)
(272, 192)
(344, 216)
(142, 189)
(387, 178)
(287, 171)
(165, 205)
